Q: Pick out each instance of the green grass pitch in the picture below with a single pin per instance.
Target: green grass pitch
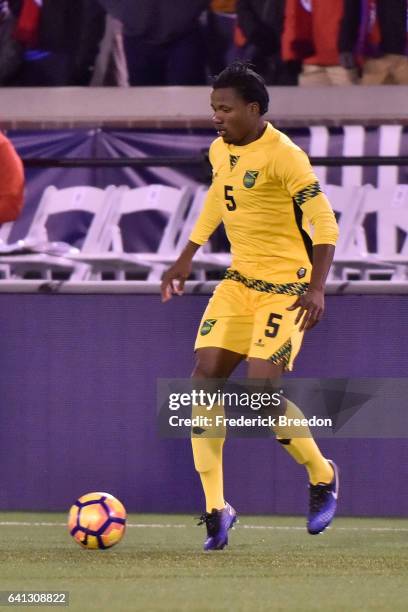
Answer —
(270, 564)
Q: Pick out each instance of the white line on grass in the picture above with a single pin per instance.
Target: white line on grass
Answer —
(180, 526)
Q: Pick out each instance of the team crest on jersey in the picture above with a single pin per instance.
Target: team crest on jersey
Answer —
(207, 326)
(250, 178)
(233, 161)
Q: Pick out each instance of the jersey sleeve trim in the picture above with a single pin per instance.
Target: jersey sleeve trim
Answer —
(307, 193)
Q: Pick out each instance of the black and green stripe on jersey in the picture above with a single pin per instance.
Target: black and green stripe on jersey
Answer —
(307, 193)
(300, 198)
(264, 286)
(233, 159)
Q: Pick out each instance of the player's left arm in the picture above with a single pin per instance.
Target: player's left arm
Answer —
(320, 215)
(311, 303)
(303, 185)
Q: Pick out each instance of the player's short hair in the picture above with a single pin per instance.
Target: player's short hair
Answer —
(246, 82)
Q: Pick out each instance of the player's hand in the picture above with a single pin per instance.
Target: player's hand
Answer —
(174, 278)
(311, 308)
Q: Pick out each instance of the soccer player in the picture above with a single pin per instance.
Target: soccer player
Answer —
(265, 192)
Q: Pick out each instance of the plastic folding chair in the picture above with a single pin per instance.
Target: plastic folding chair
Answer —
(390, 206)
(43, 256)
(171, 202)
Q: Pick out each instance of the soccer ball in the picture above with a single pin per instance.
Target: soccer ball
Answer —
(97, 520)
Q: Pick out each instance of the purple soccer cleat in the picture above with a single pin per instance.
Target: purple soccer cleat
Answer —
(323, 503)
(218, 522)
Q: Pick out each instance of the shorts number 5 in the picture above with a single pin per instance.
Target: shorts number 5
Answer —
(273, 326)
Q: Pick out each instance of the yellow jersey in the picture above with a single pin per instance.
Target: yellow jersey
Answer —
(272, 207)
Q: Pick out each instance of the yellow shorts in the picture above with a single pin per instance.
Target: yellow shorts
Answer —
(253, 320)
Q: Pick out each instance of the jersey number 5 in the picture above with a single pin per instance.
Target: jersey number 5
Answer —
(272, 332)
(230, 202)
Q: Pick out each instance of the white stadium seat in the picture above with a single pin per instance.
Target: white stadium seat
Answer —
(45, 256)
(170, 201)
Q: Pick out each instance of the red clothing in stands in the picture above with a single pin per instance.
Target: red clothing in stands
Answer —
(312, 36)
(11, 182)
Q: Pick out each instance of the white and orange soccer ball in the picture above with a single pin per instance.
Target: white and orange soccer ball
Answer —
(97, 520)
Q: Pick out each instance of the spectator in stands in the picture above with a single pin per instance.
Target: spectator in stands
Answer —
(11, 53)
(164, 40)
(61, 41)
(377, 30)
(220, 30)
(110, 65)
(11, 181)
(310, 34)
(261, 22)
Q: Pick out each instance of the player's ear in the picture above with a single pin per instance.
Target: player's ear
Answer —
(254, 108)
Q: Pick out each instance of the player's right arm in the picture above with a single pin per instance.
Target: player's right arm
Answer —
(209, 219)
(174, 278)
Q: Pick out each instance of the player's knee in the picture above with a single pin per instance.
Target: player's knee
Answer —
(205, 368)
(213, 362)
